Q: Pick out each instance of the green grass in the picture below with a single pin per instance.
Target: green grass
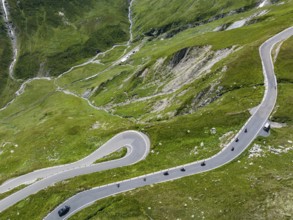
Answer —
(50, 130)
(7, 86)
(5, 54)
(79, 74)
(99, 81)
(49, 125)
(56, 41)
(278, 19)
(112, 89)
(284, 64)
(165, 15)
(258, 188)
(236, 191)
(113, 55)
(243, 71)
(3, 195)
(243, 67)
(105, 71)
(284, 110)
(113, 156)
(172, 146)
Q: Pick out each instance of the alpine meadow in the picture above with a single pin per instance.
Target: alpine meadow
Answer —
(146, 109)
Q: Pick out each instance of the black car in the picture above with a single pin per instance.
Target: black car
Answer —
(203, 164)
(63, 211)
(166, 173)
(182, 169)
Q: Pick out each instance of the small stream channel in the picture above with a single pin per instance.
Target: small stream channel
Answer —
(12, 36)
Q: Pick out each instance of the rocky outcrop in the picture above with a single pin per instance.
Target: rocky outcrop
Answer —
(205, 97)
(190, 64)
(170, 30)
(178, 57)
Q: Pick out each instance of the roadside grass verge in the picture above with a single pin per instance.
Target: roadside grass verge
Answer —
(284, 64)
(251, 191)
(248, 188)
(172, 145)
(43, 128)
(259, 188)
(113, 156)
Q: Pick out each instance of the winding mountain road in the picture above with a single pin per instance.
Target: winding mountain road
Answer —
(254, 125)
(138, 146)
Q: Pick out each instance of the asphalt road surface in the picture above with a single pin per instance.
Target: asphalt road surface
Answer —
(114, 144)
(138, 146)
(254, 125)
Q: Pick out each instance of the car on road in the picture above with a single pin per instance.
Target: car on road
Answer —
(166, 173)
(64, 210)
(267, 127)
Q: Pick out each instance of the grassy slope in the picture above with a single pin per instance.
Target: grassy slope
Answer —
(113, 156)
(5, 55)
(284, 66)
(170, 14)
(257, 188)
(55, 41)
(50, 130)
(242, 63)
(7, 86)
(166, 153)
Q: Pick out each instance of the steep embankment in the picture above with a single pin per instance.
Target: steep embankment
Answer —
(13, 38)
(5, 54)
(153, 18)
(51, 124)
(8, 54)
(53, 37)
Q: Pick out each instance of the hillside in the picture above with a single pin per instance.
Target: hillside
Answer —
(6, 84)
(54, 36)
(175, 71)
(154, 18)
